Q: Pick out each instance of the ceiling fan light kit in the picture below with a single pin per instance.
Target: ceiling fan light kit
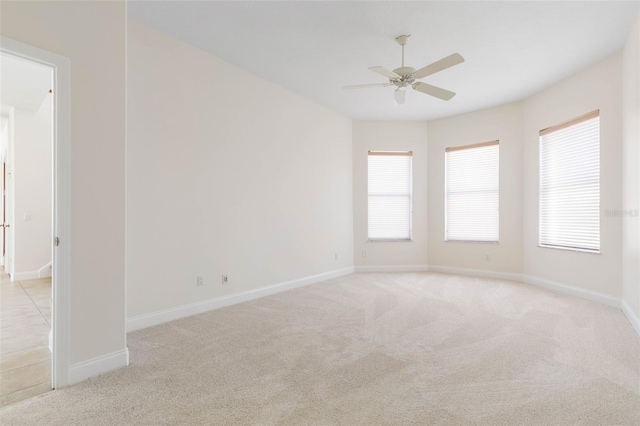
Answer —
(404, 77)
(399, 95)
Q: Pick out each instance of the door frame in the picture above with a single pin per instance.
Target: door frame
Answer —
(8, 113)
(9, 242)
(61, 187)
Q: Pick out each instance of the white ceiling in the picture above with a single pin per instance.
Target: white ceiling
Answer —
(23, 84)
(512, 49)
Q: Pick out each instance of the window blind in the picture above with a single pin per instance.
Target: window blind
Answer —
(390, 178)
(472, 193)
(570, 184)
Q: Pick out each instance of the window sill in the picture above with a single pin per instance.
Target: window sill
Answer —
(570, 249)
(389, 240)
(471, 241)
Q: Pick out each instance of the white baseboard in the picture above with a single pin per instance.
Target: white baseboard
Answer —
(97, 366)
(573, 291)
(550, 285)
(24, 276)
(155, 318)
(45, 271)
(476, 273)
(391, 268)
(631, 316)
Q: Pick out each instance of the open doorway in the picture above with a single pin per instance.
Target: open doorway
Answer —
(26, 153)
(60, 339)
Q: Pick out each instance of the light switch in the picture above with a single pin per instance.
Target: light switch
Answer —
(26, 217)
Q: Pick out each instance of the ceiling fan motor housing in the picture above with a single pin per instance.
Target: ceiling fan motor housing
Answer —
(406, 76)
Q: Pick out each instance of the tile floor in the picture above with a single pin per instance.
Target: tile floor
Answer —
(25, 321)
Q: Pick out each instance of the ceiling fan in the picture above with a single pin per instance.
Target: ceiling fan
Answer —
(404, 77)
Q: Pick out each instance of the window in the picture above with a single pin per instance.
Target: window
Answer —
(390, 184)
(570, 184)
(472, 193)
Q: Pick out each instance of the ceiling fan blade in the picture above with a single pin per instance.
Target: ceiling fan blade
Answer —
(438, 66)
(438, 92)
(385, 72)
(399, 96)
(364, 86)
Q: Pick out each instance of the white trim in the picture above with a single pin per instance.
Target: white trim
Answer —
(45, 271)
(392, 268)
(10, 209)
(97, 366)
(25, 276)
(631, 316)
(126, 177)
(171, 314)
(510, 276)
(61, 326)
(573, 291)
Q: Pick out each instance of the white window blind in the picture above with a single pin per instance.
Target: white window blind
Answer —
(390, 187)
(570, 184)
(472, 193)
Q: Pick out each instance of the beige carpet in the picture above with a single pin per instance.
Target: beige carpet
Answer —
(415, 348)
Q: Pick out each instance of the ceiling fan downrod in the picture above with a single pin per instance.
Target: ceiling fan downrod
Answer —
(402, 40)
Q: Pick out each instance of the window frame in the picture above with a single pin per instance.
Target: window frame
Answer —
(410, 195)
(446, 192)
(551, 129)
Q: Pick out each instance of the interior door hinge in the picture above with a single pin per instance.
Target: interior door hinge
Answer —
(56, 241)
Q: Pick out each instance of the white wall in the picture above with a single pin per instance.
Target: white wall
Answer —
(505, 124)
(32, 174)
(631, 174)
(390, 136)
(226, 174)
(598, 87)
(92, 35)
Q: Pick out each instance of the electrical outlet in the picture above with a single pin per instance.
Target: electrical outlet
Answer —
(486, 256)
(364, 253)
(336, 256)
(199, 281)
(225, 279)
